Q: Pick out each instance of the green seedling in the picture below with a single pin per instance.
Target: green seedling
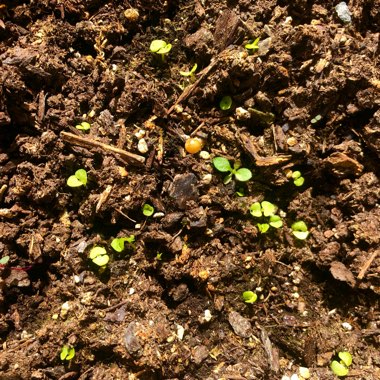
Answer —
(316, 119)
(99, 256)
(226, 103)
(78, 179)
(300, 230)
(147, 209)
(341, 368)
(83, 126)
(160, 47)
(249, 297)
(159, 256)
(4, 260)
(240, 192)
(253, 46)
(298, 179)
(223, 165)
(189, 73)
(118, 244)
(67, 353)
(267, 210)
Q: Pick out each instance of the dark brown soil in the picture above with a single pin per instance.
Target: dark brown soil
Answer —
(170, 305)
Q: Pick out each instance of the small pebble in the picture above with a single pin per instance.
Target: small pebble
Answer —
(304, 372)
(180, 332)
(343, 12)
(294, 377)
(208, 315)
(206, 179)
(346, 326)
(140, 134)
(204, 155)
(142, 146)
(157, 215)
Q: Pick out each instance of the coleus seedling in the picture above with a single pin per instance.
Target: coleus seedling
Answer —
(223, 165)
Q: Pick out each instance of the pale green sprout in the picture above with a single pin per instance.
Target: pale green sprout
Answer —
(226, 103)
(300, 230)
(316, 119)
(147, 209)
(341, 368)
(189, 73)
(265, 208)
(4, 260)
(249, 297)
(78, 179)
(159, 256)
(83, 126)
(223, 165)
(160, 47)
(253, 46)
(298, 179)
(99, 256)
(118, 244)
(67, 353)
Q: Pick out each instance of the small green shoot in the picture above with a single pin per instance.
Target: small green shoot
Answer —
(4, 260)
(67, 353)
(189, 73)
(78, 179)
(316, 119)
(268, 210)
(83, 126)
(253, 46)
(147, 209)
(275, 221)
(300, 230)
(263, 227)
(341, 368)
(118, 244)
(298, 179)
(160, 47)
(99, 256)
(240, 192)
(223, 165)
(226, 103)
(159, 256)
(249, 297)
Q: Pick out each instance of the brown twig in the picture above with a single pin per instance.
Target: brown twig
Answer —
(86, 143)
(366, 265)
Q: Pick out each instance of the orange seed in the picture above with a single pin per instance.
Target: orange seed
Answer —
(194, 145)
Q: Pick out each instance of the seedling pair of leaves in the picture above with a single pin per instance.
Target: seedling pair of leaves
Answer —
(268, 210)
(78, 179)
(83, 126)
(340, 368)
(298, 180)
(118, 244)
(300, 230)
(147, 209)
(253, 46)
(223, 165)
(67, 353)
(249, 297)
(160, 47)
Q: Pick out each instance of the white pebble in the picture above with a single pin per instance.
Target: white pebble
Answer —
(137, 226)
(206, 179)
(157, 215)
(142, 146)
(208, 315)
(304, 372)
(242, 114)
(346, 326)
(294, 377)
(140, 134)
(180, 332)
(204, 155)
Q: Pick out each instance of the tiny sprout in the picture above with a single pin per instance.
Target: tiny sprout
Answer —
(159, 256)
(316, 119)
(99, 256)
(275, 221)
(240, 192)
(118, 244)
(83, 126)
(264, 208)
(341, 368)
(298, 179)
(147, 209)
(263, 227)
(194, 145)
(223, 165)
(300, 230)
(67, 353)
(78, 179)
(249, 297)
(252, 47)
(189, 73)
(160, 47)
(4, 260)
(226, 103)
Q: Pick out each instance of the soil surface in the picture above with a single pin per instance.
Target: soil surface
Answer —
(169, 306)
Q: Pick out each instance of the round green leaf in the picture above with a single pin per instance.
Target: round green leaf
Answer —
(296, 174)
(263, 227)
(81, 174)
(97, 251)
(84, 126)
(243, 175)
(147, 209)
(118, 244)
(300, 230)
(346, 357)
(101, 261)
(226, 103)
(339, 369)
(4, 260)
(221, 164)
(64, 352)
(255, 210)
(165, 49)
(301, 235)
(73, 181)
(299, 181)
(249, 297)
(156, 45)
(71, 353)
(275, 221)
(268, 208)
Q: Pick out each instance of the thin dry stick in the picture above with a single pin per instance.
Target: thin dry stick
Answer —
(366, 265)
(86, 143)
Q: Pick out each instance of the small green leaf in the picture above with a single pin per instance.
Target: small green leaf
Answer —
(263, 227)
(275, 221)
(83, 126)
(118, 244)
(64, 352)
(156, 45)
(147, 209)
(300, 230)
(296, 174)
(4, 260)
(222, 164)
(73, 181)
(227, 179)
(71, 353)
(240, 192)
(268, 208)
(165, 49)
(346, 357)
(81, 174)
(130, 239)
(243, 175)
(255, 210)
(101, 261)
(249, 297)
(299, 181)
(226, 103)
(254, 46)
(189, 73)
(99, 256)
(339, 369)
